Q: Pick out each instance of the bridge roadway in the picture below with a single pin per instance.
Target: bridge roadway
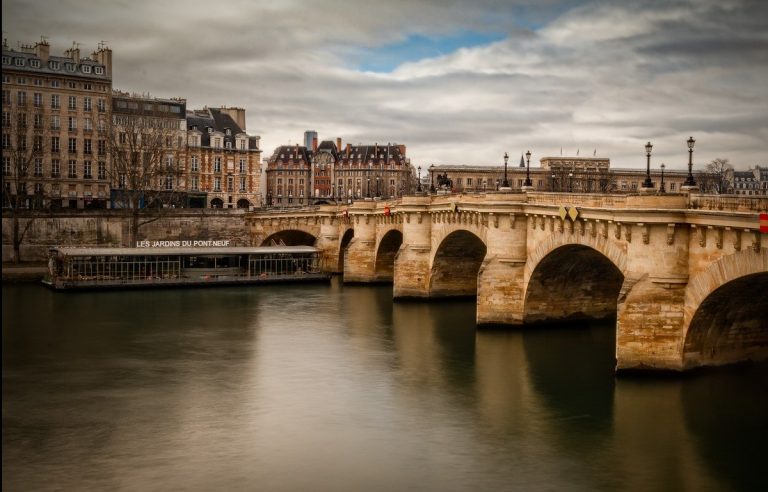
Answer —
(685, 275)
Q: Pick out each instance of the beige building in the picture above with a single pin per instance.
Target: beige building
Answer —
(559, 174)
(222, 160)
(56, 104)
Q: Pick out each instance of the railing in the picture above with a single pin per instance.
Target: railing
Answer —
(729, 203)
(584, 200)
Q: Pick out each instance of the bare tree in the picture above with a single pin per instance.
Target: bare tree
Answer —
(24, 134)
(146, 166)
(716, 177)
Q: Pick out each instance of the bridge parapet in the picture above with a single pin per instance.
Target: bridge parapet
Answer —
(732, 203)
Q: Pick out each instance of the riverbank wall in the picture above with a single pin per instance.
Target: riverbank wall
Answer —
(111, 228)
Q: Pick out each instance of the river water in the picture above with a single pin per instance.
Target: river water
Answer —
(329, 387)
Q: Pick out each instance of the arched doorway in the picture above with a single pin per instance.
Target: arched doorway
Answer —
(217, 203)
(345, 240)
(731, 324)
(291, 237)
(243, 203)
(385, 255)
(456, 265)
(573, 282)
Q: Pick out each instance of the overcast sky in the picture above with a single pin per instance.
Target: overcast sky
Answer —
(458, 82)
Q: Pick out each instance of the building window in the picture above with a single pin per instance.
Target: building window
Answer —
(121, 181)
(55, 101)
(102, 146)
(53, 65)
(39, 82)
(87, 146)
(21, 98)
(88, 124)
(85, 68)
(102, 170)
(69, 67)
(87, 170)
(169, 162)
(242, 166)
(55, 146)
(72, 126)
(195, 183)
(72, 103)
(217, 184)
(38, 167)
(38, 143)
(6, 60)
(217, 165)
(72, 170)
(6, 119)
(38, 121)
(217, 143)
(671, 186)
(19, 62)
(72, 146)
(242, 183)
(55, 168)
(86, 103)
(37, 99)
(169, 183)
(98, 70)
(6, 97)
(101, 105)
(34, 63)
(55, 83)
(195, 164)
(230, 184)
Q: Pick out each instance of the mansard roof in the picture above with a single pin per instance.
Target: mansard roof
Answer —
(218, 121)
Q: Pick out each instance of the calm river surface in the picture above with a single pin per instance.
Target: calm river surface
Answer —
(332, 388)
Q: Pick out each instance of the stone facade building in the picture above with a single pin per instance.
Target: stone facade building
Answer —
(559, 174)
(751, 182)
(297, 175)
(56, 106)
(223, 161)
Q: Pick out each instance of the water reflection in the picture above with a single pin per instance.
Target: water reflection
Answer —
(335, 388)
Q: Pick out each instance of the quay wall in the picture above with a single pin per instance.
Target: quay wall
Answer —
(111, 228)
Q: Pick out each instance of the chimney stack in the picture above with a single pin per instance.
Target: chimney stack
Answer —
(338, 144)
(314, 144)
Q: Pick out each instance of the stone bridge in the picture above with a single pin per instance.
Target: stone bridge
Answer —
(685, 276)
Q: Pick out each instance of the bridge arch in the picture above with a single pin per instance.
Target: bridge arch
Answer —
(566, 279)
(386, 251)
(346, 238)
(456, 264)
(290, 237)
(727, 305)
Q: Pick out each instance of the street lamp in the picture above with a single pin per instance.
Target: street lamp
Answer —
(432, 178)
(377, 186)
(661, 186)
(553, 181)
(505, 184)
(689, 181)
(570, 182)
(368, 193)
(418, 187)
(648, 183)
(528, 169)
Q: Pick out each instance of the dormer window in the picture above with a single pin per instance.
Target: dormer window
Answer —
(228, 144)
(99, 70)
(210, 130)
(34, 63)
(228, 131)
(86, 68)
(6, 60)
(19, 62)
(53, 65)
(70, 67)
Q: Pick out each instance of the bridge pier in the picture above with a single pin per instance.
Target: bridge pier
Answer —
(412, 263)
(650, 325)
(500, 281)
(360, 257)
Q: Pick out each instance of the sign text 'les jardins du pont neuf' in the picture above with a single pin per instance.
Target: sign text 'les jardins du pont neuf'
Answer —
(183, 244)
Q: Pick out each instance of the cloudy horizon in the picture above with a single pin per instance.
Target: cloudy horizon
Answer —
(456, 82)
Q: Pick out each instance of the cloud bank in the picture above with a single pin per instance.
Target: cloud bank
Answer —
(590, 76)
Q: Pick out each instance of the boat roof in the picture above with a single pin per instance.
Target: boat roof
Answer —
(70, 251)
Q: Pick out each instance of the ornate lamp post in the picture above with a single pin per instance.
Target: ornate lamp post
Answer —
(661, 185)
(377, 186)
(689, 181)
(505, 184)
(432, 178)
(528, 169)
(570, 182)
(648, 183)
(553, 181)
(368, 193)
(418, 186)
